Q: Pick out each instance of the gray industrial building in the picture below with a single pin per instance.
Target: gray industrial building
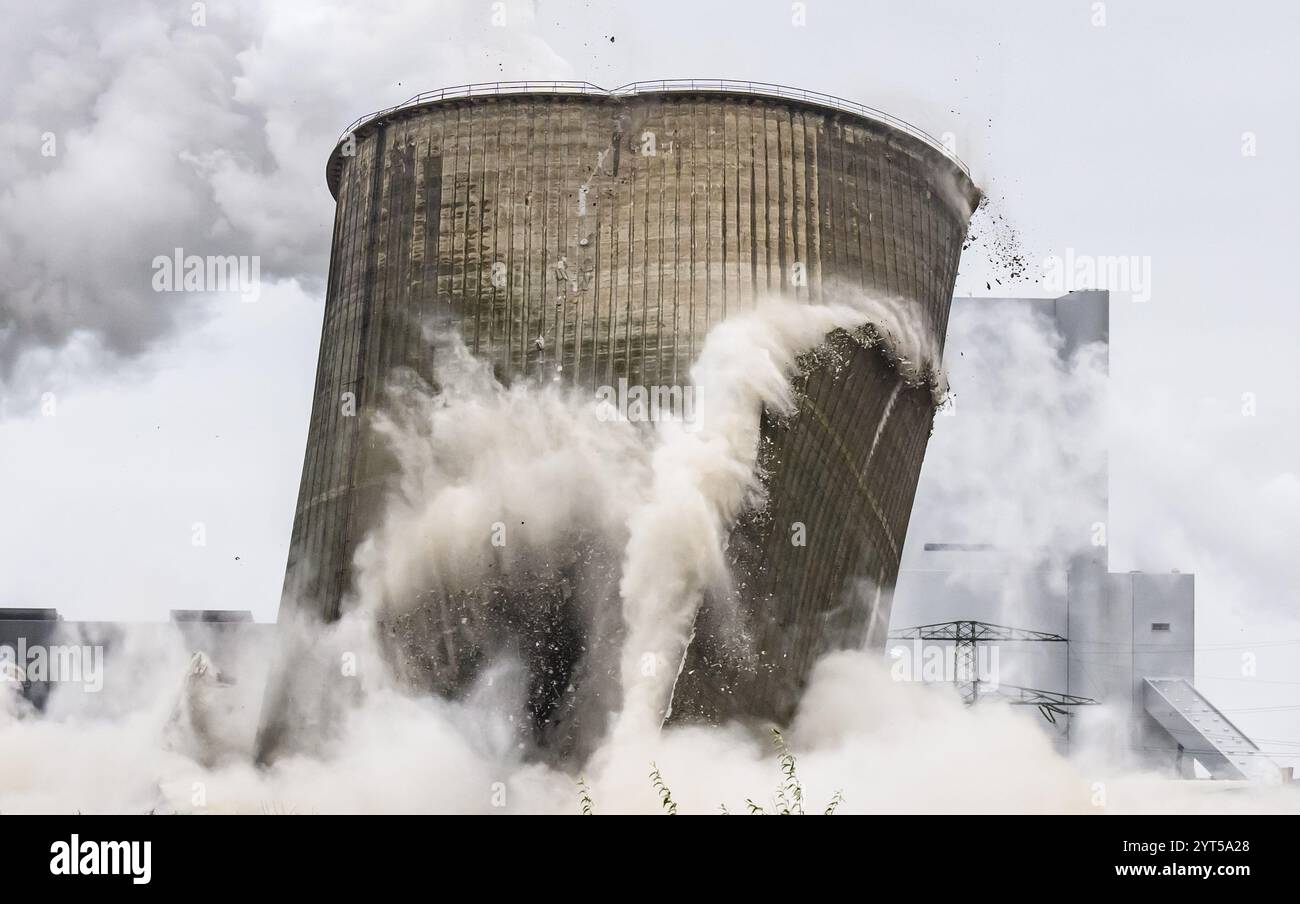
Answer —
(93, 664)
(1124, 642)
(584, 235)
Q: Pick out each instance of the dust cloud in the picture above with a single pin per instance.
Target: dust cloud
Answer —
(539, 465)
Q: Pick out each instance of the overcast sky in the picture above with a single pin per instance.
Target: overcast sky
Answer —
(1168, 132)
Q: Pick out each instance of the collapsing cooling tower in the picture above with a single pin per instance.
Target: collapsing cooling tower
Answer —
(617, 227)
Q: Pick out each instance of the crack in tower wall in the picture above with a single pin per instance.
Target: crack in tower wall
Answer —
(595, 238)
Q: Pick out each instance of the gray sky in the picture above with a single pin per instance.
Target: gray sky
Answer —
(175, 409)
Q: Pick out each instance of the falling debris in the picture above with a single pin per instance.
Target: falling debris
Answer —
(993, 237)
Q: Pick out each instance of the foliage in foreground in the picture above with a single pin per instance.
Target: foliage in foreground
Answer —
(788, 800)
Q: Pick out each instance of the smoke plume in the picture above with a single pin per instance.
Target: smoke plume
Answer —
(131, 129)
(475, 455)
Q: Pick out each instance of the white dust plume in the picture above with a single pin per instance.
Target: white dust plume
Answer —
(169, 735)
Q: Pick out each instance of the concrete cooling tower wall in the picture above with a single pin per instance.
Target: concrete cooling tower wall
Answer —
(588, 235)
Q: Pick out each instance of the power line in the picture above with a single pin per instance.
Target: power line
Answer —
(1242, 678)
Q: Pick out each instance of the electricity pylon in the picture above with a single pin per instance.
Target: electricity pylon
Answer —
(966, 637)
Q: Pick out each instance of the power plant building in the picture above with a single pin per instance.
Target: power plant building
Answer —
(585, 235)
(1127, 639)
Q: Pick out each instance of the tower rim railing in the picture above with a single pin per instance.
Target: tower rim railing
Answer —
(662, 86)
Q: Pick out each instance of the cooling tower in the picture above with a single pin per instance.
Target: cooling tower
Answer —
(592, 235)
